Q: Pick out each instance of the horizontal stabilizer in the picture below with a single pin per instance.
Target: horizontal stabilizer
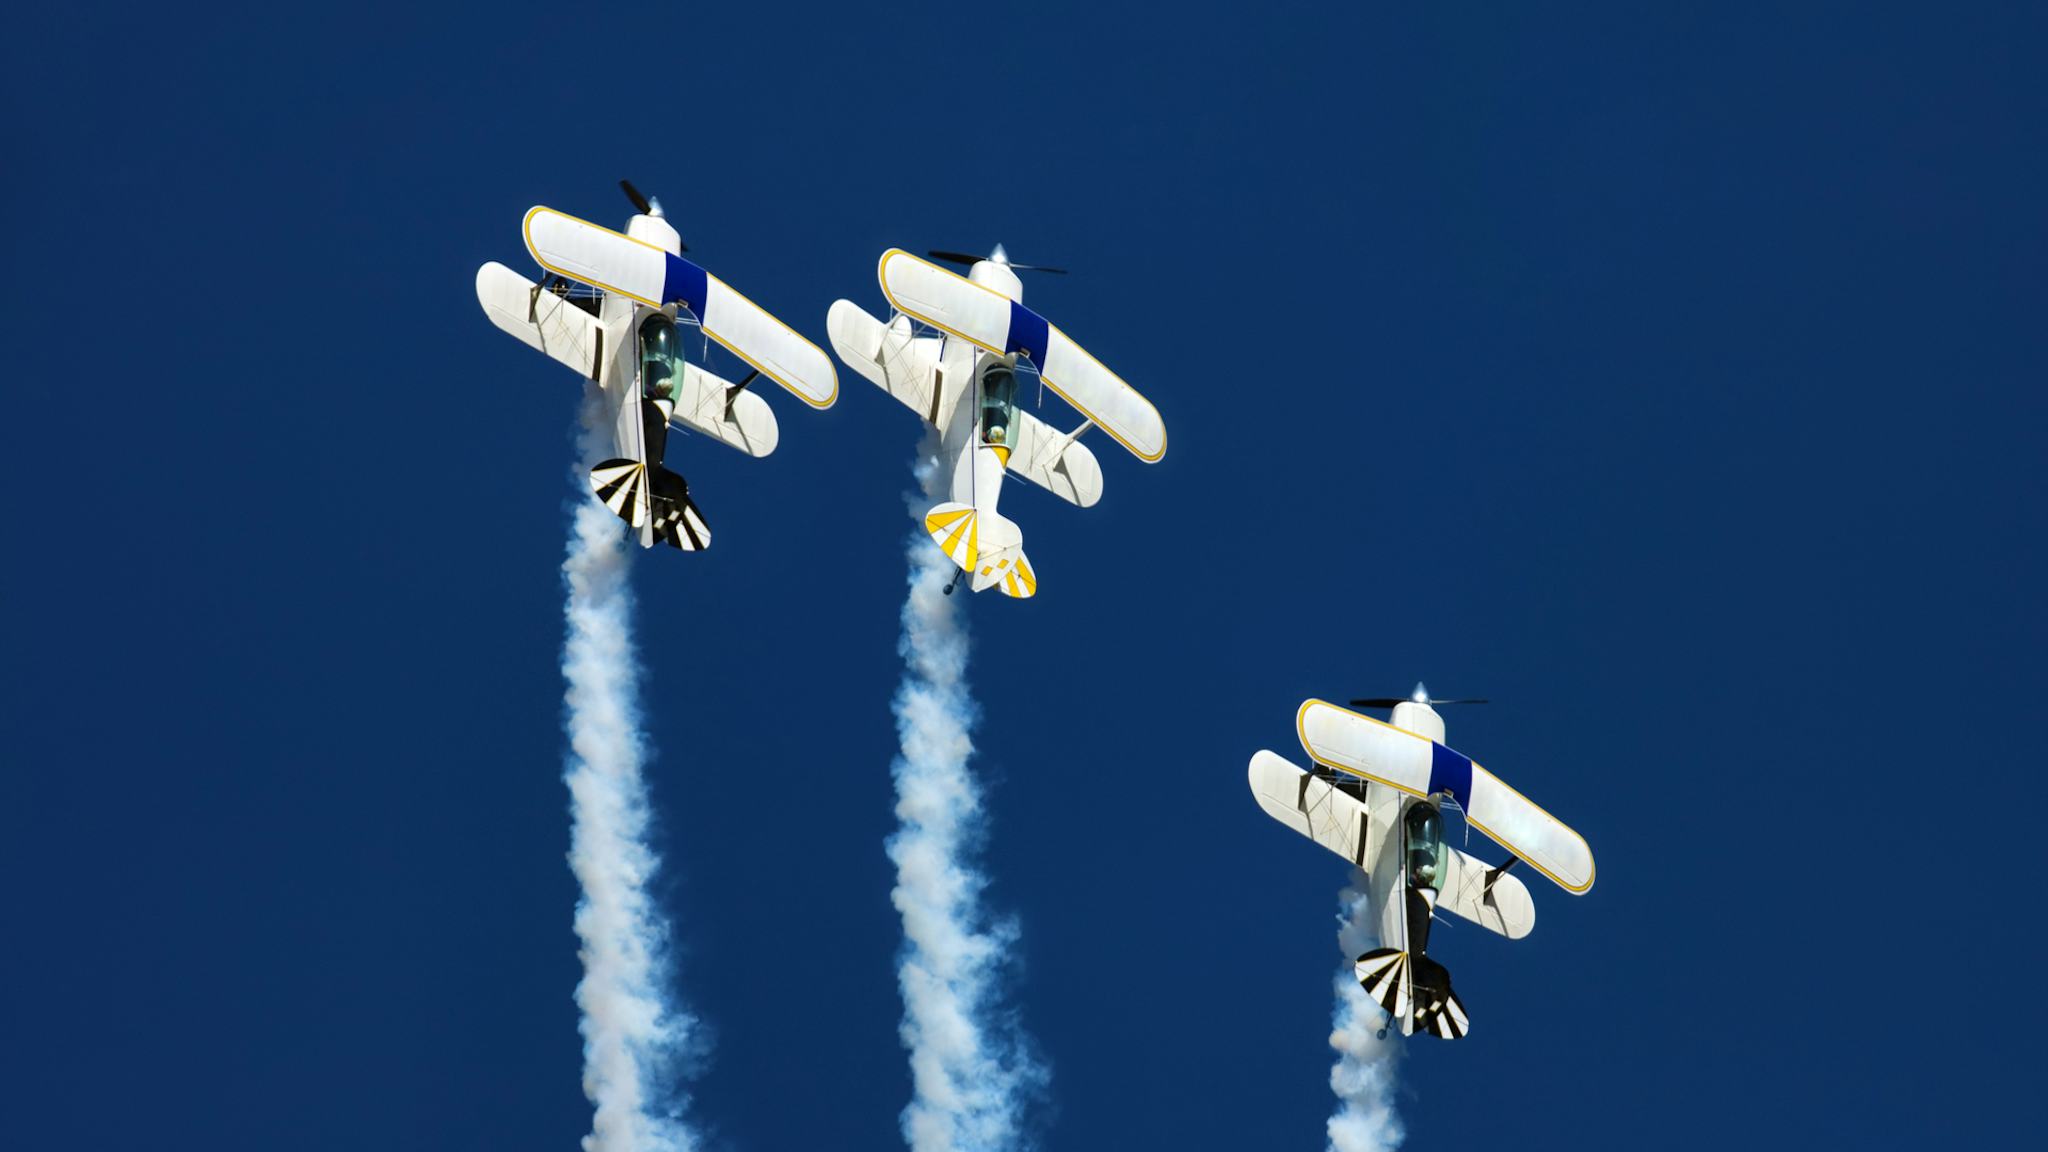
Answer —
(953, 528)
(1415, 991)
(1437, 1009)
(640, 495)
(1009, 572)
(1383, 973)
(986, 546)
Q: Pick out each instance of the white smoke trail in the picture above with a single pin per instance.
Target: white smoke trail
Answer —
(971, 1066)
(1363, 1077)
(632, 1033)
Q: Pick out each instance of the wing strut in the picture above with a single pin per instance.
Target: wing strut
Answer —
(733, 393)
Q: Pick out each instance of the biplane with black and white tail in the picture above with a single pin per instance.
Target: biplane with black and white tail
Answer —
(1374, 795)
(615, 307)
(957, 350)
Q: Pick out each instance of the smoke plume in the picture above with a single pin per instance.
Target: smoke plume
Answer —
(971, 1065)
(1363, 1077)
(632, 1031)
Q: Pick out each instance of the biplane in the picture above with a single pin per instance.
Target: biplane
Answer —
(959, 351)
(616, 308)
(1375, 795)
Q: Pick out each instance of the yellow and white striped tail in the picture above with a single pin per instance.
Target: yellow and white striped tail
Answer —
(1009, 571)
(987, 548)
(954, 527)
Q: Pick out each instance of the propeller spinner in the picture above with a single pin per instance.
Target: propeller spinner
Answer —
(646, 205)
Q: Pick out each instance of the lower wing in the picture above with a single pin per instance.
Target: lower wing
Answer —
(553, 325)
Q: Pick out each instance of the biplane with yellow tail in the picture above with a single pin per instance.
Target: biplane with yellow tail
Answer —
(959, 351)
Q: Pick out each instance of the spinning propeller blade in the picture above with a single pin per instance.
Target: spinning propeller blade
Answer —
(966, 261)
(1390, 701)
(1419, 696)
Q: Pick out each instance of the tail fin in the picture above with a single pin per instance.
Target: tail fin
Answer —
(638, 494)
(1414, 990)
(985, 546)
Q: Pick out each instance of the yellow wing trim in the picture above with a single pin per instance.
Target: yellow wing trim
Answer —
(526, 231)
(1152, 458)
(1301, 732)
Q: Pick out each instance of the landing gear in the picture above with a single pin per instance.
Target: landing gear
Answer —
(1381, 1034)
(957, 573)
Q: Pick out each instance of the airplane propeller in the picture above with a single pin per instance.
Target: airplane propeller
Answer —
(996, 257)
(1419, 696)
(646, 205)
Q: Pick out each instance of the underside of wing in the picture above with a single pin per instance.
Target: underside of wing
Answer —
(1364, 747)
(548, 323)
(613, 261)
(1489, 897)
(1102, 396)
(1001, 325)
(752, 334)
(741, 420)
(1515, 822)
(955, 304)
(894, 359)
(1349, 742)
(621, 264)
(1312, 806)
(1048, 458)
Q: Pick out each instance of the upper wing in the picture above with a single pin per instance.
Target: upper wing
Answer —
(1001, 325)
(1363, 746)
(1325, 814)
(760, 339)
(1065, 468)
(616, 262)
(542, 320)
(1503, 906)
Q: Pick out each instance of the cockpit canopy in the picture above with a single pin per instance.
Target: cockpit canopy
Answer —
(997, 395)
(661, 357)
(1424, 835)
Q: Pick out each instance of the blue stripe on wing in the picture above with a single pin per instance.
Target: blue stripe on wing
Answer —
(1028, 333)
(1450, 772)
(684, 282)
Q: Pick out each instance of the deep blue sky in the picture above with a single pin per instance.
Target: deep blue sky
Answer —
(1673, 379)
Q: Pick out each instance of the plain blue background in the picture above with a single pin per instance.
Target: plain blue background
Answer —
(1674, 379)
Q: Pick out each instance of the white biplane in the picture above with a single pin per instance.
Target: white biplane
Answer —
(609, 307)
(1373, 797)
(953, 351)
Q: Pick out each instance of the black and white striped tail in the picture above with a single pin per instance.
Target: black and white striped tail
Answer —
(1414, 990)
(635, 493)
(1383, 973)
(1437, 1008)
